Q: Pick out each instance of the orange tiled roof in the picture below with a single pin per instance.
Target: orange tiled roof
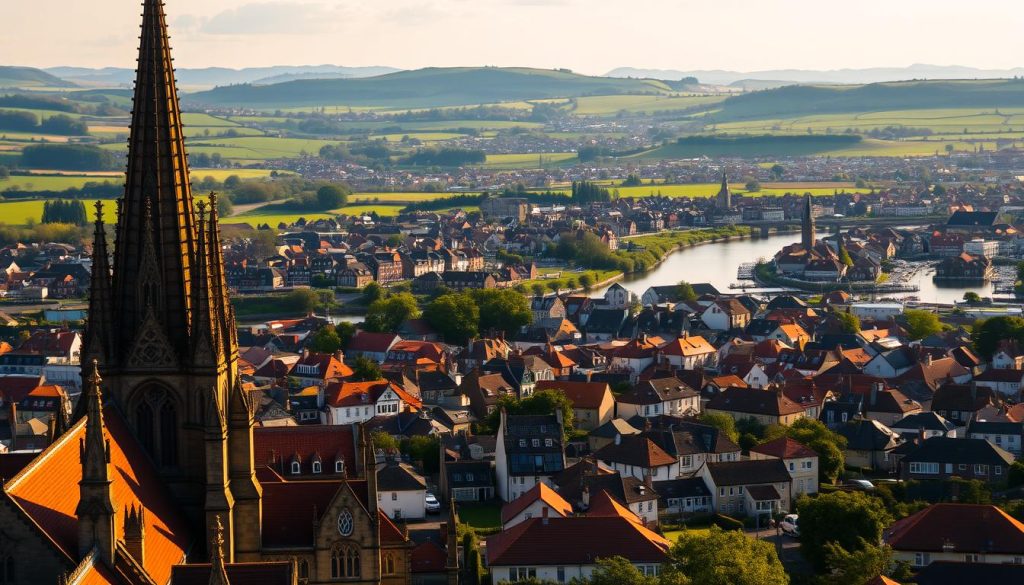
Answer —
(540, 492)
(47, 493)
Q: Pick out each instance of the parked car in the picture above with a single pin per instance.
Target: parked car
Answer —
(790, 525)
(861, 484)
(433, 506)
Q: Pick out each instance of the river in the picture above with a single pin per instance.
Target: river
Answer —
(719, 263)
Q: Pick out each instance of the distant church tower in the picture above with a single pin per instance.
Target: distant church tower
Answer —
(723, 200)
(160, 323)
(807, 224)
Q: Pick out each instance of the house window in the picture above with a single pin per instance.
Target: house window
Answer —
(296, 468)
(922, 559)
(971, 558)
(560, 574)
(962, 467)
(536, 442)
(522, 442)
(980, 469)
(924, 467)
(522, 573)
(548, 443)
(394, 496)
(339, 466)
(998, 469)
(316, 467)
(389, 564)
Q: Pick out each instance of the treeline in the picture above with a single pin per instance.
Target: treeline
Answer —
(65, 211)
(587, 192)
(17, 121)
(69, 157)
(90, 190)
(33, 102)
(366, 152)
(445, 157)
(473, 200)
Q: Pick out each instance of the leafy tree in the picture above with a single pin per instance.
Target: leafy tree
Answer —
(988, 334)
(388, 313)
(372, 292)
(847, 519)
(425, 449)
(4, 173)
(383, 441)
(921, 323)
(826, 443)
(585, 279)
(753, 185)
(345, 331)
(543, 402)
(224, 207)
(455, 316)
(722, 422)
(777, 171)
(366, 370)
(686, 292)
(865, 563)
(721, 557)
(848, 322)
(502, 310)
(1015, 477)
(538, 289)
(619, 571)
(326, 340)
(830, 459)
(972, 297)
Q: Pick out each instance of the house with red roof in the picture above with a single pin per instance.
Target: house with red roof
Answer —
(688, 353)
(318, 369)
(561, 549)
(355, 402)
(960, 533)
(801, 462)
(373, 346)
(540, 501)
(592, 402)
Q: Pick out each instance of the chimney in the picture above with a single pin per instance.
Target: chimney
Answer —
(920, 435)
(339, 355)
(544, 516)
(928, 359)
(135, 533)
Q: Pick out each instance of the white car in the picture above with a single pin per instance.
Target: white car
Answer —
(432, 505)
(861, 484)
(790, 525)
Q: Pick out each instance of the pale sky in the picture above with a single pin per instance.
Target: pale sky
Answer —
(588, 36)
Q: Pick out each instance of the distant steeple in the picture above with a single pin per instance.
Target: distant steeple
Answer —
(724, 198)
(808, 237)
(97, 331)
(95, 509)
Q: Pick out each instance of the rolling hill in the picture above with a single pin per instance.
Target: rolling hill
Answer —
(427, 88)
(209, 77)
(803, 100)
(795, 76)
(14, 77)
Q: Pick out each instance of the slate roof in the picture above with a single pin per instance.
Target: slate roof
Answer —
(868, 435)
(748, 472)
(967, 451)
(753, 401)
(968, 528)
(399, 477)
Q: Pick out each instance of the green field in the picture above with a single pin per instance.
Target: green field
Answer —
(526, 161)
(640, 104)
(696, 190)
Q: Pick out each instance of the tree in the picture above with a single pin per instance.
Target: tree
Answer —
(455, 316)
(326, 340)
(830, 459)
(345, 332)
(921, 323)
(1015, 477)
(990, 333)
(388, 313)
(686, 292)
(383, 441)
(721, 557)
(619, 571)
(865, 563)
(777, 171)
(586, 282)
(848, 322)
(366, 370)
(753, 185)
(538, 289)
(4, 173)
(847, 519)
(372, 292)
(425, 449)
(827, 444)
(722, 422)
(502, 310)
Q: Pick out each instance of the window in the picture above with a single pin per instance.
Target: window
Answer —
(548, 443)
(971, 558)
(316, 467)
(535, 442)
(980, 469)
(721, 492)
(469, 476)
(650, 506)
(345, 562)
(924, 467)
(339, 466)
(389, 564)
(921, 559)
(521, 573)
(394, 496)
(998, 469)
(522, 442)
(560, 574)
(687, 460)
(792, 466)
(296, 468)
(962, 467)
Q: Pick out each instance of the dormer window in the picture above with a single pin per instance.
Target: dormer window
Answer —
(339, 466)
(548, 442)
(296, 468)
(316, 467)
(522, 442)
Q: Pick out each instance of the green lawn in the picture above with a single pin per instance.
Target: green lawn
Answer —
(480, 515)
(673, 535)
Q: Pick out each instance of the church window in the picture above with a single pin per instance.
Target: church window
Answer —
(168, 435)
(345, 523)
(144, 424)
(296, 468)
(316, 467)
(389, 564)
(345, 563)
(156, 425)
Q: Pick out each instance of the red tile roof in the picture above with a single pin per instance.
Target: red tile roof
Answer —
(968, 528)
(47, 492)
(365, 341)
(276, 446)
(581, 394)
(361, 393)
(688, 346)
(540, 492)
(784, 448)
(540, 541)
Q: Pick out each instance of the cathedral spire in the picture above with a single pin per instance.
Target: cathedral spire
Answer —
(205, 328)
(95, 509)
(222, 305)
(97, 335)
(158, 172)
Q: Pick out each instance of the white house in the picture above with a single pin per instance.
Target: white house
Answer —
(1004, 381)
(665, 396)
(801, 463)
(540, 501)
(1005, 435)
(355, 402)
(639, 457)
(617, 297)
(688, 353)
(876, 311)
(401, 492)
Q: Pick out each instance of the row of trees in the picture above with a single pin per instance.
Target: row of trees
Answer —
(18, 121)
(69, 157)
(445, 157)
(65, 211)
(461, 316)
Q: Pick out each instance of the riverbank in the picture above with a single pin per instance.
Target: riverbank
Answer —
(765, 275)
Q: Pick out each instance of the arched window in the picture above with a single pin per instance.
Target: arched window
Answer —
(389, 564)
(316, 467)
(345, 562)
(296, 468)
(168, 435)
(144, 426)
(339, 466)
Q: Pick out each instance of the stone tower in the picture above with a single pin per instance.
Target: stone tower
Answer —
(723, 201)
(807, 224)
(160, 323)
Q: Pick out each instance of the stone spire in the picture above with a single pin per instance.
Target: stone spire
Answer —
(218, 574)
(95, 509)
(807, 224)
(158, 173)
(98, 335)
(206, 331)
(724, 198)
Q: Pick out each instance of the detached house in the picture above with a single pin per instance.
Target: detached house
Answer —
(356, 402)
(943, 457)
(725, 315)
(957, 533)
(529, 451)
(592, 402)
(801, 462)
(640, 457)
(664, 396)
(750, 487)
(688, 353)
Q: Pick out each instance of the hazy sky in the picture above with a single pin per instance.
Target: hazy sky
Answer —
(589, 36)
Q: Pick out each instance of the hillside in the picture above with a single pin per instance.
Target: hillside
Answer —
(427, 88)
(210, 77)
(801, 100)
(11, 77)
(844, 76)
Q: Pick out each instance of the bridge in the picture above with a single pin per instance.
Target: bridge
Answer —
(831, 222)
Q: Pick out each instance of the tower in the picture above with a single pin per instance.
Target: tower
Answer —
(807, 224)
(160, 322)
(724, 198)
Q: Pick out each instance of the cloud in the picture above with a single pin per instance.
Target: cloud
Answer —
(282, 18)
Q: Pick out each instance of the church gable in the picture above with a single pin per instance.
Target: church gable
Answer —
(347, 541)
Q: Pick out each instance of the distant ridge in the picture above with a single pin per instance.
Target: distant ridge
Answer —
(213, 76)
(14, 77)
(795, 76)
(431, 87)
